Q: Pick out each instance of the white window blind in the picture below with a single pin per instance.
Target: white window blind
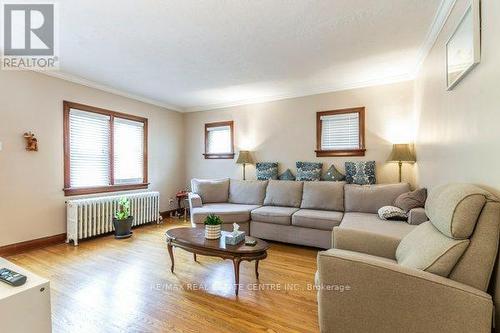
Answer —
(128, 151)
(89, 149)
(219, 140)
(340, 131)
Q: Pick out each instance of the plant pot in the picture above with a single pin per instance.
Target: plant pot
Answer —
(212, 231)
(123, 228)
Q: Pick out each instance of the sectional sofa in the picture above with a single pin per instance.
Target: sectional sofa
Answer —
(303, 213)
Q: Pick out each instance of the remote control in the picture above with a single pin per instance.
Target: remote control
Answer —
(250, 242)
(13, 278)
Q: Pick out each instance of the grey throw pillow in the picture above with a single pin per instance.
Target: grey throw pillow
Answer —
(332, 174)
(287, 175)
(392, 213)
(361, 173)
(409, 200)
(309, 171)
(267, 170)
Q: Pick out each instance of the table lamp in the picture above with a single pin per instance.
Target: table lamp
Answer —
(402, 152)
(244, 158)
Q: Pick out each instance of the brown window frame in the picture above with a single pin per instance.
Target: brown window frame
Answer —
(68, 190)
(211, 156)
(347, 152)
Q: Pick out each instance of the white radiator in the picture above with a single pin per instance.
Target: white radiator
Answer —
(94, 216)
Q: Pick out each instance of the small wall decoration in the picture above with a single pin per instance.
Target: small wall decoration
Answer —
(463, 49)
(31, 141)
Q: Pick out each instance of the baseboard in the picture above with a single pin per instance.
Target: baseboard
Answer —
(16, 248)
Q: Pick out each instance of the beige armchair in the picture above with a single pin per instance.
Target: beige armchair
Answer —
(436, 281)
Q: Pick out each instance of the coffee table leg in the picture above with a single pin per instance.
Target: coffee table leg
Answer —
(194, 256)
(236, 263)
(171, 253)
(257, 269)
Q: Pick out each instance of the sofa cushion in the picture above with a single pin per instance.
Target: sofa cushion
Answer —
(369, 198)
(373, 224)
(266, 170)
(285, 193)
(455, 208)
(323, 195)
(211, 190)
(332, 174)
(410, 200)
(426, 248)
(392, 213)
(287, 175)
(317, 219)
(361, 172)
(309, 171)
(273, 214)
(247, 192)
(229, 213)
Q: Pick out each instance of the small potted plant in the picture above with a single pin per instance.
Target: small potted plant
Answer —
(213, 226)
(122, 220)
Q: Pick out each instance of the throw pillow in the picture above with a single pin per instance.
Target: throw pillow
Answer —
(361, 173)
(332, 174)
(267, 170)
(309, 171)
(287, 175)
(392, 213)
(409, 200)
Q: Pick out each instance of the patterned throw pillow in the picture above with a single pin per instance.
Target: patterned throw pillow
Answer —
(309, 171)
(392, 213)
(287, 175)
(410, 200)
(332, 174)
(361, 173)
(267, 170)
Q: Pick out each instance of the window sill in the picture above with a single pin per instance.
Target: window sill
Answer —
(228, 156)
(340, 153)
(104, 189)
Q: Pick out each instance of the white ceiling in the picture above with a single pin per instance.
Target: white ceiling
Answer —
(195, 55)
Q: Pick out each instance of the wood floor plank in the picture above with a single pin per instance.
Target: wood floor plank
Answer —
(108, 285)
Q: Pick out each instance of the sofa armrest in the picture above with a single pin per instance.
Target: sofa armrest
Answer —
(365, 242)
(417, 216)
(363, 293)
(194, 200)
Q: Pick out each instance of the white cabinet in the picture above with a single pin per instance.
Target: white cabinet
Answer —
(25, 308)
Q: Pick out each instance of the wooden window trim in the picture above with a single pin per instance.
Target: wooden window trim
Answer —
(340, 153)
(68, 190)
(230, 155)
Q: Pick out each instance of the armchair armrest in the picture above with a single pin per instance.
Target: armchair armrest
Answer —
(364, 293)
(365, 242)
(417, 216)
(194, 200)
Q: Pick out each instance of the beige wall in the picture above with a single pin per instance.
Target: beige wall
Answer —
(458, 134)
(285, 131)
(31, 196)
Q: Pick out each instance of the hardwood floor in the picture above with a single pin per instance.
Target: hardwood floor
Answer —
(108, 285)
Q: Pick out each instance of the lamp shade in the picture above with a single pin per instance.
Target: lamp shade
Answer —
(244, 157)
(402, 153)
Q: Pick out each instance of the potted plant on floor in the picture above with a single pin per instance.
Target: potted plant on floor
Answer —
(213, 226)
(122, 220)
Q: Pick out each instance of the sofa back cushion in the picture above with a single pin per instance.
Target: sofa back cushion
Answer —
(455, 208)
(427, 249)
(323, 196)
(287, 193)
(211, 190)
(370, 198)
(247, 192)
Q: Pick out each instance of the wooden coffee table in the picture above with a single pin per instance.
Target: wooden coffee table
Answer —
(193, 240)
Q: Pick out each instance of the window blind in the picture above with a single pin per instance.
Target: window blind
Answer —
(128, 151)
(219, 140)
(340, 131)
(89, 149)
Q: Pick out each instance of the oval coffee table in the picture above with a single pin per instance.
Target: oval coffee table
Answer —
(193, 240)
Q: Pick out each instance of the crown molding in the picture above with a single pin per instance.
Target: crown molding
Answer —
(102, 87)
(304, 92)
(437, 25)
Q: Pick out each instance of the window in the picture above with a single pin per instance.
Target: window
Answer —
(104, 151)
(340, 132)
(219, 140)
